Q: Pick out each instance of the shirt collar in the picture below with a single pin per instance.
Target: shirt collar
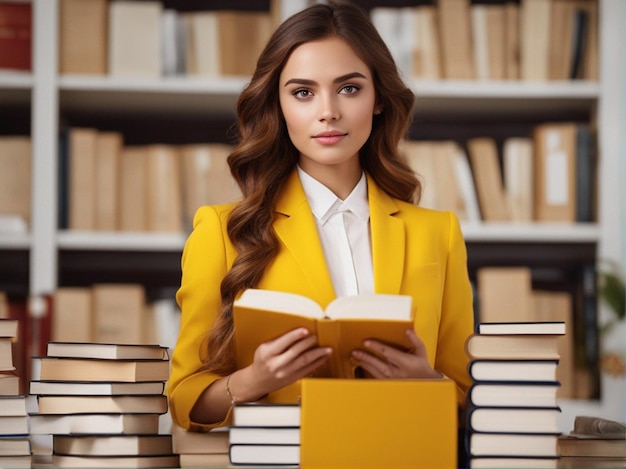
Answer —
(324, 202)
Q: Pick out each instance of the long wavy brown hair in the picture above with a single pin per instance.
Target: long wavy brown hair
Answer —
(264, 157)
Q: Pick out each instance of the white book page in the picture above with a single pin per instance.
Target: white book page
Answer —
(282, 302)
(371, 306)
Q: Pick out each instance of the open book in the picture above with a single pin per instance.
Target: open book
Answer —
(263, 315)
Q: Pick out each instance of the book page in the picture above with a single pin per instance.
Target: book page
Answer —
(371, 306)
(281, 302)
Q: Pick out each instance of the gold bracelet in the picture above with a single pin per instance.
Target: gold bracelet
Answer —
(233, 399)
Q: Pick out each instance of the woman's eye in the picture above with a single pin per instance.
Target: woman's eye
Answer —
(349, 89)
(302, 93)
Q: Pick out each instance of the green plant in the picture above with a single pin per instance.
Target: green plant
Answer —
(612, 292)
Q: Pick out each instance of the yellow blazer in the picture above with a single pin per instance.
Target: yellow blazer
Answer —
(416, 252)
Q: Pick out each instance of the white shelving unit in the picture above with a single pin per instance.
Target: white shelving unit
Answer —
(73, 240)
(531, 233)
(611, 112)
(193, 95)
(14, 80)
(15, 241)
(178, 95)
(44, 132)
(48, 95)
(473, 232)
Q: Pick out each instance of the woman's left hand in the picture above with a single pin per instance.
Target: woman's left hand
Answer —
(392, 363)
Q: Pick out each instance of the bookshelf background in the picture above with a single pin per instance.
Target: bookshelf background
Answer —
(183, 110)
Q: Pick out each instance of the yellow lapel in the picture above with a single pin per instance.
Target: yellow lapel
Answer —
(295, 226)
(388, 240)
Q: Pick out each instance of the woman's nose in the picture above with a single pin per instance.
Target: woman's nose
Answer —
(329, 109)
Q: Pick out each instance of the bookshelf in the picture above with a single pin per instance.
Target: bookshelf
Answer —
(37, 262)
(192, 95)
(189, 96)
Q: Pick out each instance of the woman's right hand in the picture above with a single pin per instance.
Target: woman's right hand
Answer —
(276, 364)
(286, 359)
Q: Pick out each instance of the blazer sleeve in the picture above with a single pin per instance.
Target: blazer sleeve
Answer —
(204, 263)
(457, 313)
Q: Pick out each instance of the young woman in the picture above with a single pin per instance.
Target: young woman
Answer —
(317, 162)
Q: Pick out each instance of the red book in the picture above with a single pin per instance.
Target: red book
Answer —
(15, 35)
(17, 310)
(32, 337)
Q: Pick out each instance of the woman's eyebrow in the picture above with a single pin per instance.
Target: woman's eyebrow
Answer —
(304, 81)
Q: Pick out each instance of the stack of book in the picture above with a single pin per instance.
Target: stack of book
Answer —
(265, 434)
(15, 448)
(201, 449)
(513, 412)
(593, 442)
(101, 403)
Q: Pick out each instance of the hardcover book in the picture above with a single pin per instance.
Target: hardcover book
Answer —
(96, 423)
(16, 462)
(513, 394)
(522, 328)
(583, 462)
(8, 327)
(280, 455)
(512, 445)
(263, 315)
(112, 445)
(592, 447)
(12, 405)
(14, 425)
(265, 435)
(101, 370)
(6, 354)
(105, 404)
(503, 346)
(9, 383)
(15, 169)
(16, 26)
(555, 172)
(83, 37)
(265, 414)
(72, 313)
(115, 461)
(77, 388)
(14, 446)
(514, 420)
(107, 351)
(514, 463)
(505, 296)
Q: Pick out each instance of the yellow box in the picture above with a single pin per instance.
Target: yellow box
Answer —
(372, 423)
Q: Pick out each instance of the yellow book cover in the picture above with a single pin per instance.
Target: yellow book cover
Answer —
(263, 315)
(378, 423)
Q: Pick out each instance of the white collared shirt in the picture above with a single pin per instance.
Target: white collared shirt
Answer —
(344, 230)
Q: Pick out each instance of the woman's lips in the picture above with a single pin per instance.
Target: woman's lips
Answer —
(329, 138)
